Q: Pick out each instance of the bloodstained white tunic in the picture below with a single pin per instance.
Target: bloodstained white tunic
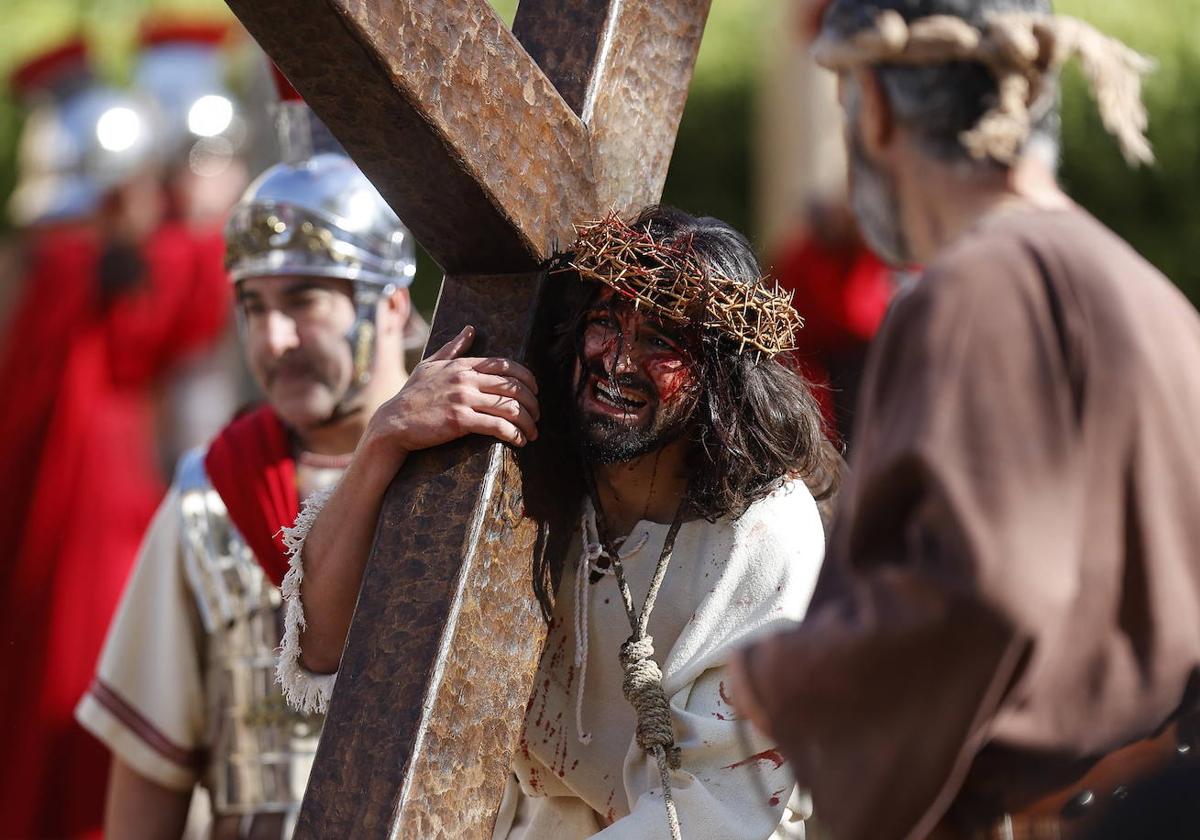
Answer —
(729, 582)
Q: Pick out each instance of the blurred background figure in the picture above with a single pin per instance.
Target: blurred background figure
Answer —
(84, 144)
(186, 66)
(110, 298)
(843, 290)
(183, 65)
(839, 286)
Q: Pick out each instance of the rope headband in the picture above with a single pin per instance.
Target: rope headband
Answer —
(1023, 51)
(672, 282)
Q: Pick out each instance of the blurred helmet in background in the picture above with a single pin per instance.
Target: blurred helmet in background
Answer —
(80, 138)
(183, 68)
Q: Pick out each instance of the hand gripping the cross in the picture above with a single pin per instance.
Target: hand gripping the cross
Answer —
(448, 396)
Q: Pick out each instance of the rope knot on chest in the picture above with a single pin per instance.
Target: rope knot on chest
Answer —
(642, 681)
(642, 686)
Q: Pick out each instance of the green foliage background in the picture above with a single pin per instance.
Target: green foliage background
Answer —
(1156, 209)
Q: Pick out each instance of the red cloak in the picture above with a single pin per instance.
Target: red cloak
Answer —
(843, 292)
(251, 467)
(78, 486)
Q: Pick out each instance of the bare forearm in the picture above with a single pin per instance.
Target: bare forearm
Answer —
(446, 398)
(336, 551)
(139, 809)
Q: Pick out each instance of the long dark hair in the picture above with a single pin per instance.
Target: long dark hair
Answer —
(756, 423)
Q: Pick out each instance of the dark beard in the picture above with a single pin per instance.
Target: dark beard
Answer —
(605, 440)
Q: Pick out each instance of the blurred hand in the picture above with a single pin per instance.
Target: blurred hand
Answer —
(449, 396)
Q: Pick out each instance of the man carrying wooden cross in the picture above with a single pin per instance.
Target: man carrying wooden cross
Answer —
(697, 529)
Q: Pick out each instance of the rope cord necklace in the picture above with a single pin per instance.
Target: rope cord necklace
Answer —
(590, 571)
(642, 683)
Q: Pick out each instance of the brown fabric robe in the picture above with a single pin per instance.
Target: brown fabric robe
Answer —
(1013, 584)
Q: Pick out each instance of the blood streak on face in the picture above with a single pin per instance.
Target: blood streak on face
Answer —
(634, 381)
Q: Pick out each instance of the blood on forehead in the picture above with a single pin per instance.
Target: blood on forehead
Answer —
(634, 319)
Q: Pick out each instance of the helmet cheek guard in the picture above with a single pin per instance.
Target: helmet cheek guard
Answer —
(362, 334)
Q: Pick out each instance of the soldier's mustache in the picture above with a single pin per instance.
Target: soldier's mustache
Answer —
(293, 367)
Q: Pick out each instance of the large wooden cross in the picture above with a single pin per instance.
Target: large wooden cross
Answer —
(489, 143)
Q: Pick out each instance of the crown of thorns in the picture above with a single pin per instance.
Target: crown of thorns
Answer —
(1022, 51)
(672, 282)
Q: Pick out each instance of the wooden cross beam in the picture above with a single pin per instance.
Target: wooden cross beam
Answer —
(490, 144)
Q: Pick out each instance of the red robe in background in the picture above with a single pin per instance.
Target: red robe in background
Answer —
(842, 291)
(78, 486)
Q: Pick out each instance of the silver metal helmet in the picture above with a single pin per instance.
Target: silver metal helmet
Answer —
(317, 215)
(74, 149)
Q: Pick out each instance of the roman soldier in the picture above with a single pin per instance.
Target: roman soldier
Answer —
(185, 692)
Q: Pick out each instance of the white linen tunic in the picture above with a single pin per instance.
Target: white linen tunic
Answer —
(729, 582)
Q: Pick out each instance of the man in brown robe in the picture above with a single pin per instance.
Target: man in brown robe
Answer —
(1012, 589)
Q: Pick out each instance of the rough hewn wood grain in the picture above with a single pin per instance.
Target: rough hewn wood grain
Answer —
(444, 111)
(490, 144)
(450, 570)
(644, 83)
(450, 792)
(570, 63)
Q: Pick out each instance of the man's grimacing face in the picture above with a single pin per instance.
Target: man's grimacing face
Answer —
(634, 382)
(295, 343)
